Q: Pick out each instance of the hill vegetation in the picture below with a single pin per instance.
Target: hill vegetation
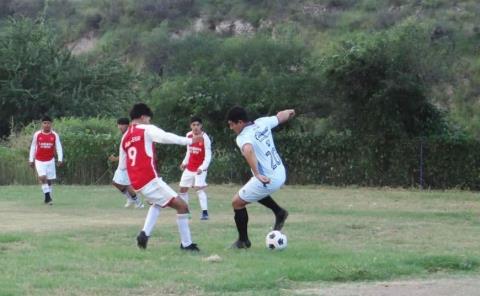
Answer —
(378, 73)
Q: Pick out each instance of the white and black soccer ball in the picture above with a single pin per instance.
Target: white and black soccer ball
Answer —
(276, 240)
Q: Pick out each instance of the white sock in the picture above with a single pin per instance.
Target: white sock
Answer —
(184, 229)
(45, 188)
(151, 219)
(202, 198)
(184, 196)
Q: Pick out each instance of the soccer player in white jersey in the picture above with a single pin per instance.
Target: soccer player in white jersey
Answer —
(120, 178)
(137, 157)
(195, 166)
(256, 144)
(42, 156)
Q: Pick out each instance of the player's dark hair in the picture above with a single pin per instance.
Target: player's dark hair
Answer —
(140, 109)
(195, 119)
(236, 114)
(123, 121)
(46, 118)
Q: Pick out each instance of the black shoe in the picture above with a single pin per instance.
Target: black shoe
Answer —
(192, 248)
(48, 199)
(142, 240)
(238, 244)
(204, 215)
(280, 220)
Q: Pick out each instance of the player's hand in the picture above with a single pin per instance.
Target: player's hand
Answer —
(182, 167)
(199, 171)
(113, 158)
(32, 164)
(60, 163)
(197, 138)
(291, 113)
(263, 179)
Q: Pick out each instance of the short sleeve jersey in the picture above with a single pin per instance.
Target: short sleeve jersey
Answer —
(259, 135)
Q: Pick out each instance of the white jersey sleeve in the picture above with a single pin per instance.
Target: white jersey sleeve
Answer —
(208, 152)
(242, 140)
(58, 147)
(33, 147)
(271, 121)
(160, 136)
(122, 157)
(187, 154)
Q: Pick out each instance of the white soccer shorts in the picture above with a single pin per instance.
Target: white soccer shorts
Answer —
(121, 177)
(158, 192)
(46, 168)
(192, 179)
(254, 190)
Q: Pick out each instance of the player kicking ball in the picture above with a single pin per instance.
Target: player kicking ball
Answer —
(137, 157)
(195, 165)
(256, 144)
(45, 143)
(120, 178)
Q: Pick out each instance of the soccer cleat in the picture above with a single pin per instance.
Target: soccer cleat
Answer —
(204, 215)
(138, 203)
(192, 248)
(238, 244)
(48, 200)
(142, 240)
(280, 220)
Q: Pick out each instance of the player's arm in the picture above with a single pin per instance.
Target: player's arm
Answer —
(33, 148)
(184, 163)
(207, 144)
(58, 146)
(249, 154)
(160, 136)
(285, 115)
(122, 159)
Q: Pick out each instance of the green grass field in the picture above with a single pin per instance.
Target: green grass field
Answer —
(85, 243)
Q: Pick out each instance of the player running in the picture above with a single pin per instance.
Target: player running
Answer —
(120, 178)
(195, 166)
(42, 156)
(137, 157)
(256, 144)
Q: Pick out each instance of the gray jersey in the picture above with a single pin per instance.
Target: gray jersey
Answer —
(259, 135)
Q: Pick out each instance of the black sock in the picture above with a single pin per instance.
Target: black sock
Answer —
(134, 197)
(271, 204)
(205, 212)
(47, 196)
(241, 220)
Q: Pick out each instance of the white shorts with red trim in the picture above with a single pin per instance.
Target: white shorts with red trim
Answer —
(158, 192)
(193, 179)
(46, 168)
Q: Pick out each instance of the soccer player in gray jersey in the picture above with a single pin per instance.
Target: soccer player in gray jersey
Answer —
(256, 144)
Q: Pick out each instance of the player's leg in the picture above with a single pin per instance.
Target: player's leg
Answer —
(51, 176)
(133, 195)
(200, 185)
(280, 213)
(183, 217)
(122, 183)
(241, 221)
(41, 169)
(186, 181)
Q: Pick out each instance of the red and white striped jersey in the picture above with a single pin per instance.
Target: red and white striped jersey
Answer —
(137, 153)
(198, 155)
(44, 145)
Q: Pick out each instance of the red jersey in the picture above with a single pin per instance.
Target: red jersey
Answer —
(44, 146)
(141, 166)
(137, 153)
(198, 154)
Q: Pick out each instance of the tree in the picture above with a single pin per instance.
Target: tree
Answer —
(39, 75)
